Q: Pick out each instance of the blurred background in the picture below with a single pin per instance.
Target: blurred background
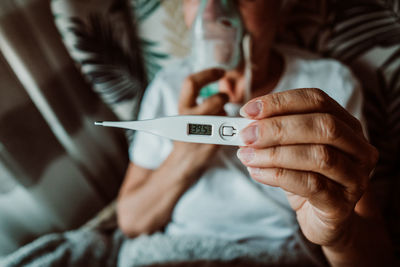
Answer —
(67, 63)
(56, 169)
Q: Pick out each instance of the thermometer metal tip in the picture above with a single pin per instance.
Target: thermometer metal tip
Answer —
(98, 123)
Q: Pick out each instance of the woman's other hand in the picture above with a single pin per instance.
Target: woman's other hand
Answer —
(199, 154)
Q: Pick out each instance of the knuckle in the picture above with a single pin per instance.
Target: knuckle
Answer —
(314, 184)
(358, 186)
(279, 175)
(369, 162)
(273, 154)
(353, 194)
(276, 129)
(277, 101)
(328, 127)
(364, 183)
(325, 157)
(318, 96)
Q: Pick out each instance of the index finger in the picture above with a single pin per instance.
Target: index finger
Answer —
(193, 84)
(298, 101)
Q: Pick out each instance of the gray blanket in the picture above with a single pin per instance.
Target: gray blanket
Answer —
(88, 247)
(76, 248)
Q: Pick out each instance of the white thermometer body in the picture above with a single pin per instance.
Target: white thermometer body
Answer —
(195, 129)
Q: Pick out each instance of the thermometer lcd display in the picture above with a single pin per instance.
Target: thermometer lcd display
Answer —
(199, 129)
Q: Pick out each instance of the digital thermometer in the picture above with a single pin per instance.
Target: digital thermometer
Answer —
(217, 130)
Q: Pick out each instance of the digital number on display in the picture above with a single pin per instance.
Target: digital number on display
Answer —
(199, 129)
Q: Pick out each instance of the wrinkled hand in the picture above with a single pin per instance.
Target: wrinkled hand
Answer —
(199, 154)
(307, 144)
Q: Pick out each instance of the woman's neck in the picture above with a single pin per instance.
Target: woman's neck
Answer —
(267, 68)
(267, 73)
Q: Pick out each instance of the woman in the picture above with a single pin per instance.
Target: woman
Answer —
(307, 153)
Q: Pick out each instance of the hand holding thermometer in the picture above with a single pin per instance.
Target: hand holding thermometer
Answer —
(217, 130)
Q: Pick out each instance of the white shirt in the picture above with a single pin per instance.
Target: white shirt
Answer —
(225, 202)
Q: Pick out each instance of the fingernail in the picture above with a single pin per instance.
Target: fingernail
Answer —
(250, 134)
(245, 154)
(251, 109)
